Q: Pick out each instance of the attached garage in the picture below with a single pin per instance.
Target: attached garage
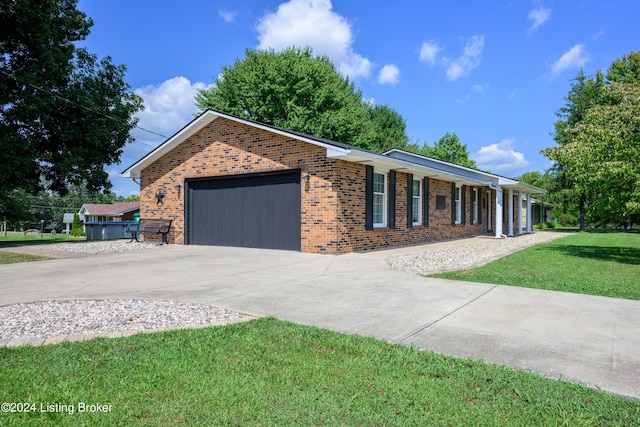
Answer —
(259, 210)
(228, 181)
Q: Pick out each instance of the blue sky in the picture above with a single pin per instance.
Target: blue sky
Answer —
(495, 75)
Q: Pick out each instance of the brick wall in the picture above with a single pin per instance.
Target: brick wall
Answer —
(351, 214)
(226, 147)
(332, 201)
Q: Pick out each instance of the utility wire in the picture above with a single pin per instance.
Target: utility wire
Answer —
(84, 107)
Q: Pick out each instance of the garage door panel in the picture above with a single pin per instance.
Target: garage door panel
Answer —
(258, 211)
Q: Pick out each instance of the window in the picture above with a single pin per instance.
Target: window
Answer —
(416, 204)
(474, 207)
(457, 206)
(379, 200)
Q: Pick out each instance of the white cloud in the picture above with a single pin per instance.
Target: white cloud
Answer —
(389, 74)
(167, 107)
(475, 90)
(470, 59)
(539, 16)
(228, 16)
(575, 57)
(500, 158)
(429, 52)
(312, 23)
(597, 35)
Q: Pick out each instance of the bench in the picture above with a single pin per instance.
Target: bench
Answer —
(150, 226)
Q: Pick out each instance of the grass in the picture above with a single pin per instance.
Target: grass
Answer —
(606, 264)
(12, 258)
(269, 372)
(16, 240)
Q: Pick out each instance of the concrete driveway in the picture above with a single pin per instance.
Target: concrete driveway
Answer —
(586, 339)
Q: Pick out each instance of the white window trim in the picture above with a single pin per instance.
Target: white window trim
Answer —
(458, 204)
(417, 201)
(382, 224)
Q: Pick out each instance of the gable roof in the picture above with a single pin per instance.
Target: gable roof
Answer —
(109, 209)
(391, 160)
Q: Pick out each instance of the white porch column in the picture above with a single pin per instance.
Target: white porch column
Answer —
(510, 216)
(519, 213)
(529, 229)
(499, 212)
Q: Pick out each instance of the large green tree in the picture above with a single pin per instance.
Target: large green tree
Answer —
(601, 156)
(295, 90)
(593, 103)
(448, 148)
(625, 69)
(64, 113)
(388, 127)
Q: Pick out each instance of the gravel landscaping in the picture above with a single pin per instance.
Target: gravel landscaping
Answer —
(466, 253)
(78, 249)
(66, 318)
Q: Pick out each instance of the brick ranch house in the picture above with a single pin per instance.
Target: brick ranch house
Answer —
(228, 181)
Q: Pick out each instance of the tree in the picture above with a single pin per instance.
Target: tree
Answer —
(15, 205)
(448, 149)
(586, 94)
(389, 129)
(625, 69)
(537, 179)
(602, 155)
(298, 91)
(64, 114)
(76, 227)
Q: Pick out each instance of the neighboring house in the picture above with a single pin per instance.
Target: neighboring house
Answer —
(115, 212)
(228, 181)
(67, 220)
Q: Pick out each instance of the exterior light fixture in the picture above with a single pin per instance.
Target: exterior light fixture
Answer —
(306, 178)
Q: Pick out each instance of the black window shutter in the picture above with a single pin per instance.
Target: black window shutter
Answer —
(480, 206)
(453, 203)
(409, 200)
(368, 201)
(392, 199)
(425, 202)
(463, 200)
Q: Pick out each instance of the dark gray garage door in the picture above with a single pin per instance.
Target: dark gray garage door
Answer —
(251, 210)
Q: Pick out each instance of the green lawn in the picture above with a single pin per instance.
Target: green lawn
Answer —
(12, 258)
(606, 264)
(20, 239)
(14, 240)
(269, 372)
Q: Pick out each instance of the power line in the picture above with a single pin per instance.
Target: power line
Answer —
(84, 107)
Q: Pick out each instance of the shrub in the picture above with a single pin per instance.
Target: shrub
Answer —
(76, 228)
(568, 220)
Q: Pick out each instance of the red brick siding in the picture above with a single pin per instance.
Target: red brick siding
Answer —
(332, 201)
(354, 236)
